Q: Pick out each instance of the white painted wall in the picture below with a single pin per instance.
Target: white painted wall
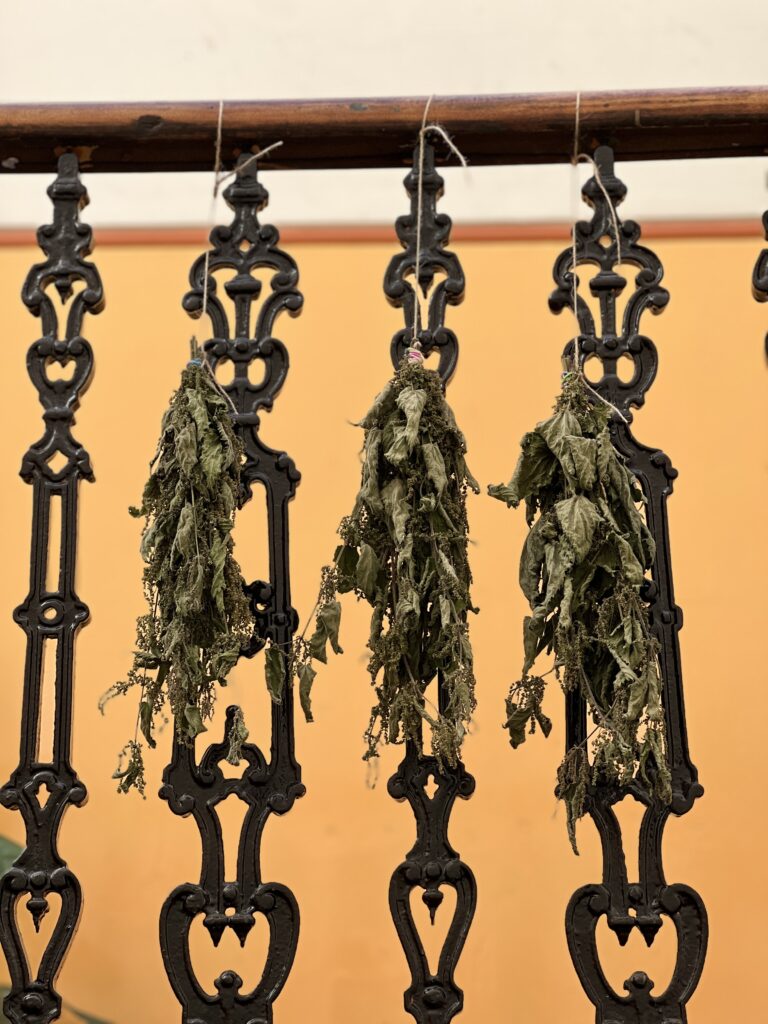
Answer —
(59, 50)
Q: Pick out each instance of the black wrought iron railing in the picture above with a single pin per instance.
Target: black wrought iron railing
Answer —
(42, 788)
(339, 133)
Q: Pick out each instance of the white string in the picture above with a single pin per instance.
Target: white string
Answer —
(576, 159)
(448, 141)
(425, 128)
(212, 210)
(576, 126)
(196, 352)
(221, 178)
(217, 160)
(582, 157)
(574, 208)
(419, 217)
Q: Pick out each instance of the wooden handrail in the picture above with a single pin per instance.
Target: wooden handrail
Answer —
(337, 133)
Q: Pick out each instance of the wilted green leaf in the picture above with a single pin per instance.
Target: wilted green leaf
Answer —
(274, 668)
(194, 721)
(544, 723)
(532, 560)
(577, 457)
(186, 448)
(578, 519)
(306, 679)
(185, 533)
(433, 460)
(464, 473)
(223, 661)
(218, 556)
(346, 559)
(317, 644)
(445, 611)
(412, 401)
(397, 507)
(368, 569)
(212, 457)
(378, 410)
(369, 491)
(505, 492)
(145, 722)
(565, 422)
(327, 624)
(400, 449)
(238, 734)
(330, 617)
(448, 569)
(535, 470)
(198, 410)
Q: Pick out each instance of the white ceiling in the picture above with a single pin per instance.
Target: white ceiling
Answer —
(78, 50)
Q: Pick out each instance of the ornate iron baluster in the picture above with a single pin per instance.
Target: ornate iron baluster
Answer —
(52, 612)
(644, 903)
(432, 863)
(760, 275)
(266, 787)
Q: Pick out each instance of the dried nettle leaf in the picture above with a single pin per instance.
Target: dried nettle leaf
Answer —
(404, 550)
(198, 616)
(582, 568)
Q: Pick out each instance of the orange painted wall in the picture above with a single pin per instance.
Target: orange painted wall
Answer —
(339, 845)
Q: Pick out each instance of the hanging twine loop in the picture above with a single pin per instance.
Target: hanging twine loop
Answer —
(226, 175)
(212, 209)
(423, 131)
(219, 177)
(576, 159)
(198, 355)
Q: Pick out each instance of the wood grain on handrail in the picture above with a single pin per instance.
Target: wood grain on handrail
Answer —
(380, 132)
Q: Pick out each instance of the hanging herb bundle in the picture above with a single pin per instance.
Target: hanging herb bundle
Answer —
(582, 569)
(198, 616)
(404, 550)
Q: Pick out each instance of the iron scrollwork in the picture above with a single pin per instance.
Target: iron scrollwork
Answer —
(432, 998)
(266, 786)
(626, 904)
(760, 275)
(52, 613)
